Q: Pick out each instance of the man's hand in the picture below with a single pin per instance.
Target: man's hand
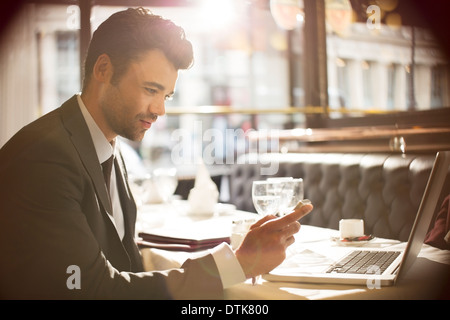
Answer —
(264, 246)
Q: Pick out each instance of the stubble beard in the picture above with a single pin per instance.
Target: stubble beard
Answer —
(115, 113)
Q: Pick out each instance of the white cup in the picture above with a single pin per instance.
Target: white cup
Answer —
(351, 228)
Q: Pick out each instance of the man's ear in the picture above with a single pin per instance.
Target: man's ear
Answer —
(103, 68)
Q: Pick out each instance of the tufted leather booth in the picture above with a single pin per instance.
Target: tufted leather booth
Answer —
(383, 189)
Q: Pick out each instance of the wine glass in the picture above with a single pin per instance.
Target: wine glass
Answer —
(294, 193)
(285, 189)
(266, 197)
(166, 182)
(139, 185)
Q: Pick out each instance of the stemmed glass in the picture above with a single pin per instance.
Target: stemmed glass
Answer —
(285, 188)
(277, 195)
(266, 197)
(140, 187)
(294, 192)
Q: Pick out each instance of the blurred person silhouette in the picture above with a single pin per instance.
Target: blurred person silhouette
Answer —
(439, 234)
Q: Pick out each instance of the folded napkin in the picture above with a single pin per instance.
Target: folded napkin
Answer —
(204, 196)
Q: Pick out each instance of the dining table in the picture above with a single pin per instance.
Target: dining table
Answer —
(428, 278)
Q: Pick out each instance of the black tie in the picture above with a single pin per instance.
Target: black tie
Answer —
(107, 168)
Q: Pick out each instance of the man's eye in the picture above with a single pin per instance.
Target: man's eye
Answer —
(169, 97)
(152, 91)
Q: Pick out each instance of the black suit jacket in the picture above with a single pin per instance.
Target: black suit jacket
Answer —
(54, 214)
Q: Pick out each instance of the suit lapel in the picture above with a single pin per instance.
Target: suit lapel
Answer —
(74, 122)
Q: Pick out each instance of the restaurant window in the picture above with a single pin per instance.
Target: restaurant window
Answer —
(67, 64)
(368, 88)
(58, 53)
(339, 93)
(440, 82)
(391, 69)
(382, 65)
(249, 71)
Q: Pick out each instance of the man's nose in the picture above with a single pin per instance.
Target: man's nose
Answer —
(158, 107)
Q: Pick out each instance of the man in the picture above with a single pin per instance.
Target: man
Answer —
(60, 218)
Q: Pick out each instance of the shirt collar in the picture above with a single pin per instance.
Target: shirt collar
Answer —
(103, 148)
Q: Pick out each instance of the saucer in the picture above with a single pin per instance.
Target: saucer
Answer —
(354, 241)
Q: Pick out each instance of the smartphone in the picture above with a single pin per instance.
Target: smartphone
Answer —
(301, 203)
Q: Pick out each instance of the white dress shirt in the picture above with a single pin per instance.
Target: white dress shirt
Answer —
(229, 268)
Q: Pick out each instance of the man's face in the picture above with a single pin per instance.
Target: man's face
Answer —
(134, 103)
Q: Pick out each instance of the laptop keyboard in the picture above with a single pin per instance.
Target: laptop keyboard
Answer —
(365, 262)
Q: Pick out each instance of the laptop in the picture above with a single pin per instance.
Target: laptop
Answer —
(394, 264)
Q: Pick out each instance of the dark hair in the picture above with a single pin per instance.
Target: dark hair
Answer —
(127, 34)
